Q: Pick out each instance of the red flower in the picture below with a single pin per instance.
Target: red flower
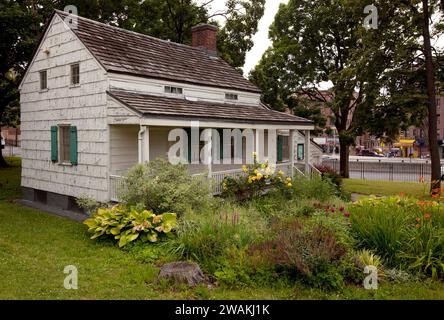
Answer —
(418, 219)
(333, 210)
(418, 226)
(427, 216)
(347, 214)
(341, 209)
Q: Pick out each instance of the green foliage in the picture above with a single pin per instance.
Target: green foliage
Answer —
(404, 231)
(162, 187)
(234, 40)
(90, 205)
(127, 225)
(238, 267)
(311, 253)
(205, 237)
(325, 41)
(314, 188)
(331, 175)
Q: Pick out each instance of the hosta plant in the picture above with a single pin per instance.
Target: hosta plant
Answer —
(129, 224)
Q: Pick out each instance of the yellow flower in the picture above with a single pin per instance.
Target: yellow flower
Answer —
(280, 172)
(289, 184)
(263, 166)
(259, 176)
(256, 171)
(288, 179)
(254, 155)
(244, 168)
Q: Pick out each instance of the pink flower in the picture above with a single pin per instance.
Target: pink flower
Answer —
(347, 214)
(341, 209)
(333, 210)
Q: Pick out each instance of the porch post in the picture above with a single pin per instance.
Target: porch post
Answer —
(258, 145)
(307, 151)
(146, 145)
(292, 151)
(210, 154)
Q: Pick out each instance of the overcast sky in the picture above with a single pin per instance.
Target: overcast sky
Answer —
(261, 41)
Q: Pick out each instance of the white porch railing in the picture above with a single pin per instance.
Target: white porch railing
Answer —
(117, 182)
(115, 185)
(314, 171)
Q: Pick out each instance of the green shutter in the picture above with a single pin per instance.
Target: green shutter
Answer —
(188, 131)
(73, 144)
(280, 144)
(54, 144)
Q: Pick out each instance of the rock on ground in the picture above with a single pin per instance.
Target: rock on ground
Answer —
(182, 272)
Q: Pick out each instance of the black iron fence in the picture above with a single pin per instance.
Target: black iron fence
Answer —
(403, 170)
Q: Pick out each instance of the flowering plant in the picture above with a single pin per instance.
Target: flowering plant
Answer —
(255, 179)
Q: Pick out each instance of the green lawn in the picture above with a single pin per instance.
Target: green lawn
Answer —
(385, 188)
(35, 247)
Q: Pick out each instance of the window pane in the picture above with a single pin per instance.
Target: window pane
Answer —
(75, 74)
(173, 90)
(43, 80)
(64, 144)
(231, 96)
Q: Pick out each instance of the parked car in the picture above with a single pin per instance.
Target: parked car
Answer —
(370, 153)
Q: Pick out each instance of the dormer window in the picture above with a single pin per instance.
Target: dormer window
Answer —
(75, 74)
(43, 80)
(173, 90)
(231, 96)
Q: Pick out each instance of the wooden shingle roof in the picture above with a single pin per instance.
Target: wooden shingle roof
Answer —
(150, 105)
(127, 52)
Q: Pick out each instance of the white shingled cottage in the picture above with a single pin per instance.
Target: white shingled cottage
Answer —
(96, 100)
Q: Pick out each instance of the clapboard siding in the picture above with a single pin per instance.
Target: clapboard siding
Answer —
(83, 106)
(152, 86)
(123, 148)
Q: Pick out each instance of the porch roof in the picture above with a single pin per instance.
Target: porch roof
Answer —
(174, 108)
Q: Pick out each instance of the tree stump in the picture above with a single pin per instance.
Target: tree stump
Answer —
(182, 272)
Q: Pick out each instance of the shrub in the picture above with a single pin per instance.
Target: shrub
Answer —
(162, 187)
(331, 175)
(205, 238)
(238, 268)
(312, 253)
(257, 178)
(90, 205)
(314, 188)
(126, 226)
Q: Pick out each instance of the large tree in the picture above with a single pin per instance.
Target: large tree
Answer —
(325, 42)
(18, 30)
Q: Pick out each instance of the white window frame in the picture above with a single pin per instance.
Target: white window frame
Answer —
(231, 96)
(43, 80)
(64, 149)
(173, 90)
(74, 77)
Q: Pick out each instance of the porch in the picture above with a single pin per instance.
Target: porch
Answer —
(145, 127)
(133, 144)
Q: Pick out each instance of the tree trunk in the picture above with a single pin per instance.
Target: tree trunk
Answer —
(344, 159)
(3, 162)
(431, 93)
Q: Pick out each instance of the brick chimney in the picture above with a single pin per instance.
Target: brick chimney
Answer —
(204, 36)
